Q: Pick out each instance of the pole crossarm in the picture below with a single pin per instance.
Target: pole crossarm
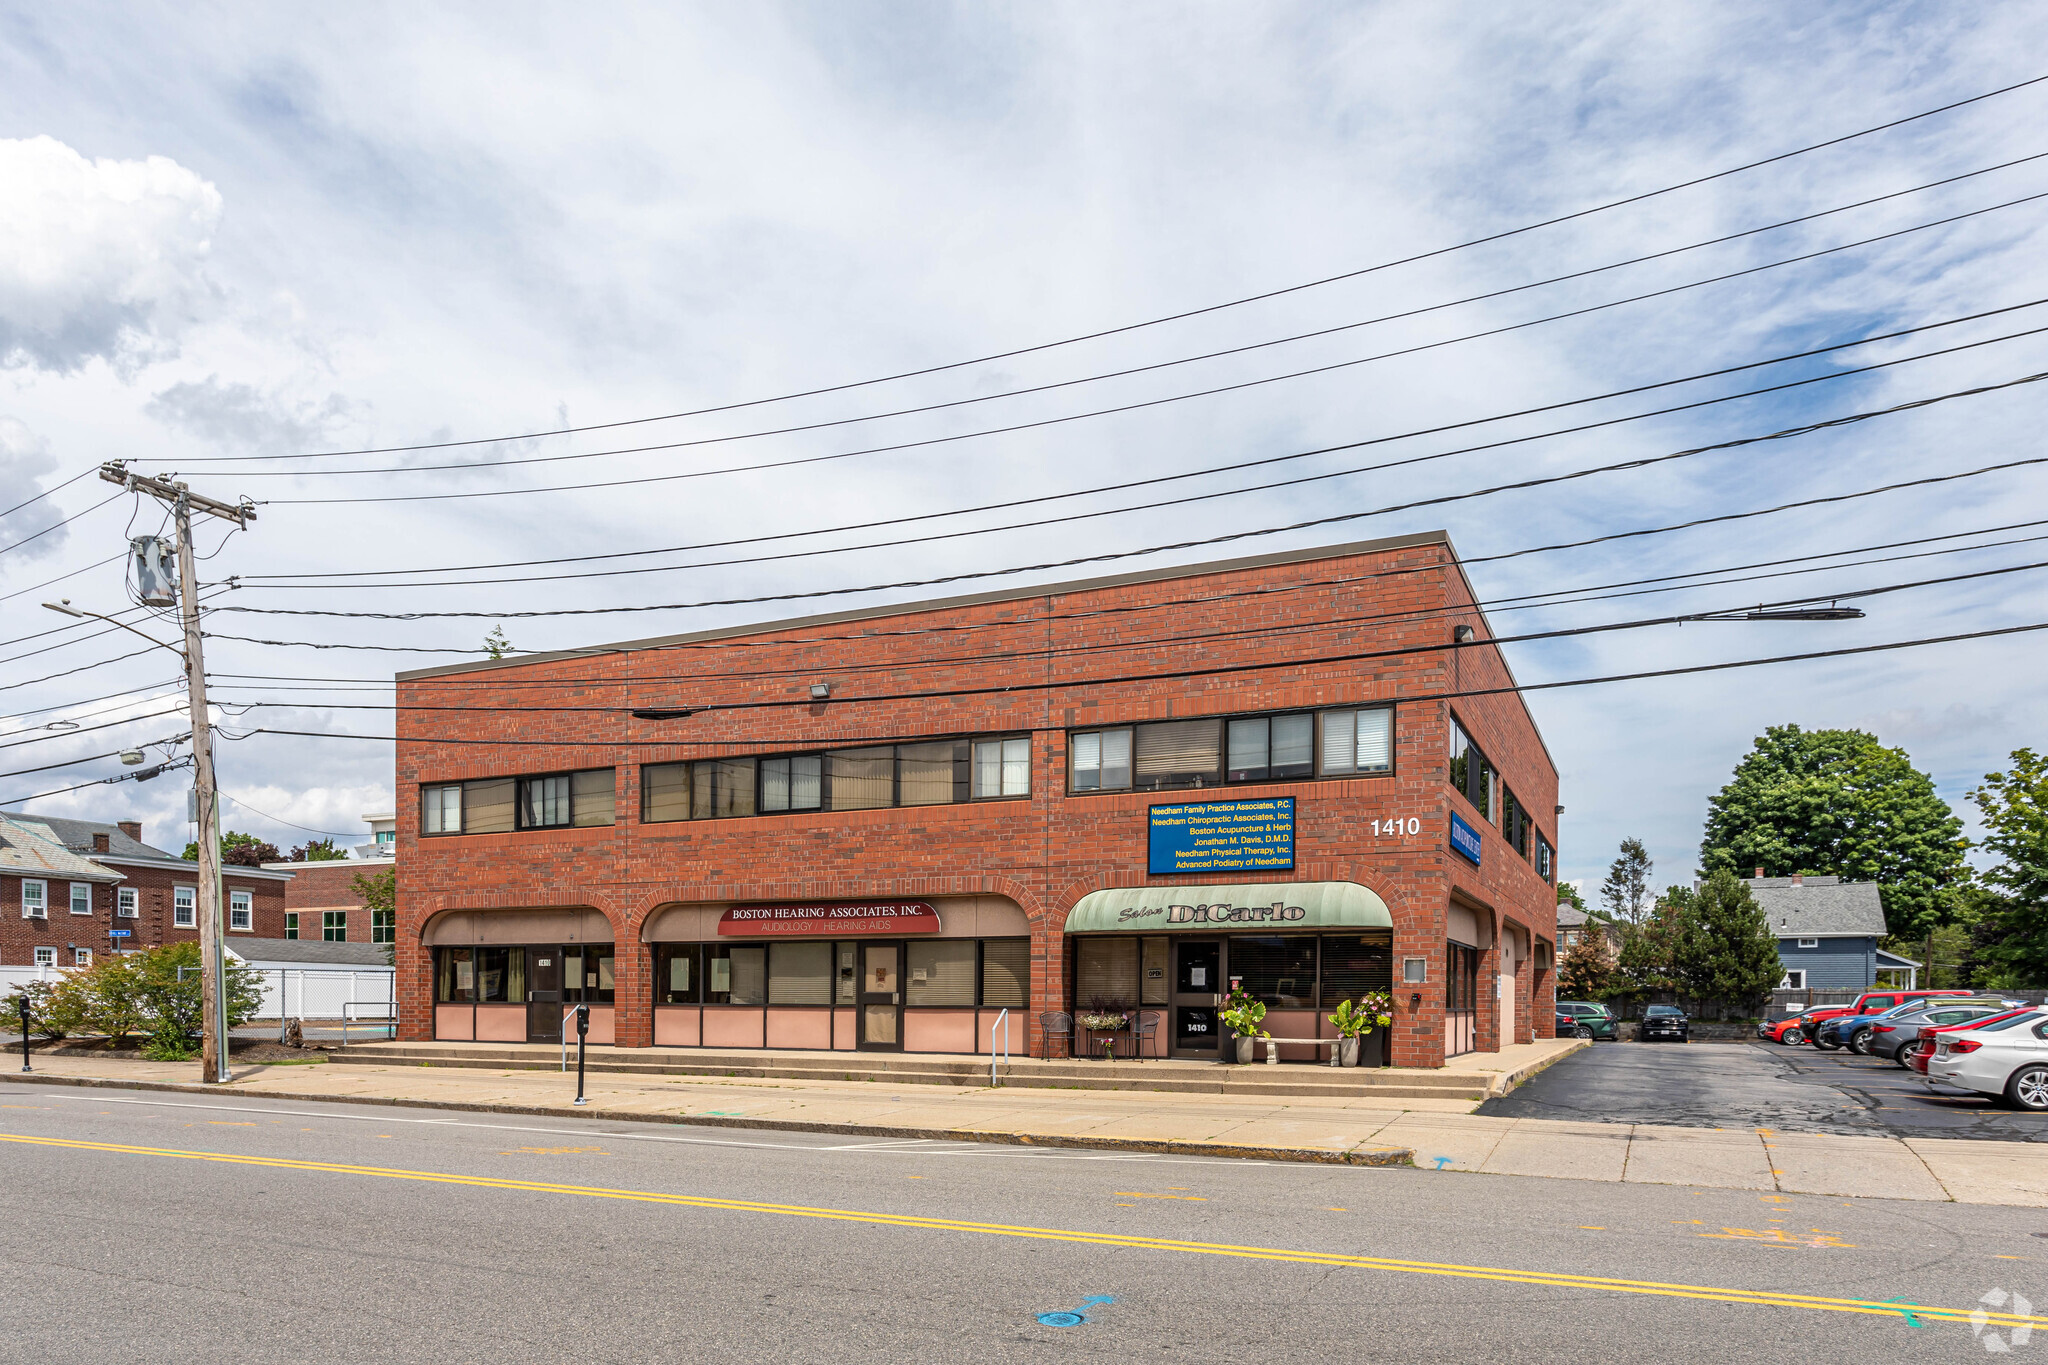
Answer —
(114, 471)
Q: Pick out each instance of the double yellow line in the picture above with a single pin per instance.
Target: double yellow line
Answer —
(1710, 1293)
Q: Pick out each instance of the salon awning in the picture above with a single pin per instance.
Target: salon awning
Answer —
(1213, 909)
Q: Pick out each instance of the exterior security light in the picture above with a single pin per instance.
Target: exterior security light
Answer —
(820, 691)
(65, 606)
(1463, 635)
(131, 757)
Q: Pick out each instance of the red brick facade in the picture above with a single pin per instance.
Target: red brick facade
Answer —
(316, 889)
(152, 925)
(1264, 634)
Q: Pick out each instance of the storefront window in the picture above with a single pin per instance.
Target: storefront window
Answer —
(676, 976)
(940, 972)
(1005, 972)
(501, 976)
(1279, 971)
(799, 974)
(1105, 972)
(735, 976)
(1353, 965)
(1152, 982)
(457, 977)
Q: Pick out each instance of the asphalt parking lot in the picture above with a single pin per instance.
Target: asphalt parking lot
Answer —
(1758, 1085)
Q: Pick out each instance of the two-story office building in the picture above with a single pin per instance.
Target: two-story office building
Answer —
(1305, 774)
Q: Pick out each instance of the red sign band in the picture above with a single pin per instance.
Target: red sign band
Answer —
(823, 920)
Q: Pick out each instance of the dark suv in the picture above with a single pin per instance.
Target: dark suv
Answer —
(1583, 1019)
(1664, 1021)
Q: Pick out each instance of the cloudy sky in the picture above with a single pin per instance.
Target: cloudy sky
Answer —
(235, 232)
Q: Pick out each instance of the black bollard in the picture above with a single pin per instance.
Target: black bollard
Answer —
(582, 1032)
(23, 999)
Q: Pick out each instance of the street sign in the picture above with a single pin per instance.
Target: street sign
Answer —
(119, 933)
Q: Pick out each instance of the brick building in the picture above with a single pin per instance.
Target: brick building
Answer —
(65, 916)
(1306, 773)
(321, 902)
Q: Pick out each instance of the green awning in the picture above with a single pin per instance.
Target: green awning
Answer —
(1224, 909)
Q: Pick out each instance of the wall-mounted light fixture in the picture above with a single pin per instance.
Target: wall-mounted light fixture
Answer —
(820, 691)
(1463, 635)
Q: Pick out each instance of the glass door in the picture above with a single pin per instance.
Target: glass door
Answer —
(1197, 989)
(544, 995)
(881, 997)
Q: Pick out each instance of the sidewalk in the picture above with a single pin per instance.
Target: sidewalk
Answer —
(1356, 1131)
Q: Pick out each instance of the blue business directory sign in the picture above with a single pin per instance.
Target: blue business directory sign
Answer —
(1222, 836)
(1465, 840)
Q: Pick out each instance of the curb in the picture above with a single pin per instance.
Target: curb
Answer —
(1507, 1080)
(1378, 1156)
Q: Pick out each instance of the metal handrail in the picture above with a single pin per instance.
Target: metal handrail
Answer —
(1004, 1020)
(565, 1037)
(390, 1008)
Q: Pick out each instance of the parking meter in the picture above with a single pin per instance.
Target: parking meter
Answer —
(22, 1000)
(582, 1032)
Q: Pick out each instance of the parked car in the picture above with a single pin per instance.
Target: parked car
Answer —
(1789, 1029)
(1870, 1002)
(1853, 1030)
(1891, 1036)
(1585, 1019)
(1922, 1048)
(1664, 1021)
(2009, 1061)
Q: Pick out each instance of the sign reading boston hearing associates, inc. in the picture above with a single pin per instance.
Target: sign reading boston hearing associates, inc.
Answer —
(827, 919)
(1222, 836)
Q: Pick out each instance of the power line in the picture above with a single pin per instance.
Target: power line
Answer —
(976, 399)
(331, 833)
(92, 758)
(88, 729)
(37, 587)
(795, 461)
(5, 549)
(1186, 313)
(51, 677)
(53, 488)
(1388, 509)
(526, 743)
(141, 775)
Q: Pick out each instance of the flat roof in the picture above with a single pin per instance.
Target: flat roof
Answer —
(1214, 566)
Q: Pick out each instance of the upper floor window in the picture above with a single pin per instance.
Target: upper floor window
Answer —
(81, 898)
(561, 800)
(334, 926)
(935, 773)
(35, 900)
(184, 907)
(291, 924)
(500, 805)
(383, 926)
(125, 903)
(1173, 755)
(1514, 822)
(1546, 859)
(241, 911)
(1470, 772)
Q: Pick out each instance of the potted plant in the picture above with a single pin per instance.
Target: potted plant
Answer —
(1243, 1015)
(1353, 1022)
(1106, 1016)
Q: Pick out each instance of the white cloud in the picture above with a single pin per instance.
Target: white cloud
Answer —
(243, 417)
(99, 259)
(24, 459)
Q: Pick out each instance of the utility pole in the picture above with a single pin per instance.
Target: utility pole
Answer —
(212, 923)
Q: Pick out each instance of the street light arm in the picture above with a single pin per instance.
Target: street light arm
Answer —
(67, 609)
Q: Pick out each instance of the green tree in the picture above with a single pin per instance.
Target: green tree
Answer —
(378, 891)
(1836, 802)
(495, 644)
(173, 1004)
(1626, 891)
(1586, 972)
(1725, 949)
(2011, 938)
(318, 851)
(1567, 894)
(239, 850)
(1648, 960)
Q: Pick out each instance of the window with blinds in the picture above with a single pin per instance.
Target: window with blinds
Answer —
(796, 783)
(861, 779)
(1105, 972)
(939, 972)
(799, 974)
(931, 774)
(488, 805)
(1002, 767)
(1005, 972)
(1271, 748)
(1357, 741)
(664, 793)
(1099, 760)
(593, 797)
(1177, 753)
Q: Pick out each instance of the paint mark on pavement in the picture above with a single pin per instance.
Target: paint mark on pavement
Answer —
(1079, 1314)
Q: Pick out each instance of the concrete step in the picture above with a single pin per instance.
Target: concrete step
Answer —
(1162, 1076)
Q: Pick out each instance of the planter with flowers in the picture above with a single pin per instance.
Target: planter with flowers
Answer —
(1243, 1015)
(1105, 1018)
(1355, 1020)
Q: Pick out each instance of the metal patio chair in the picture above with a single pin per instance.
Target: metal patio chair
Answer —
(1147, 1026)
(1056, 1024)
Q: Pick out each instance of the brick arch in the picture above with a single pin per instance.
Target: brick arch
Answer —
(418, 916)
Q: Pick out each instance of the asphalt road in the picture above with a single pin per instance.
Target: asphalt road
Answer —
(153, 1227)
(1758, 1085)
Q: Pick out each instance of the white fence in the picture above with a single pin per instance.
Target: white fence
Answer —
(10, 977)
(322, 992)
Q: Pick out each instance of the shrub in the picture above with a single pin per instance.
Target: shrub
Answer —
(42, 1023)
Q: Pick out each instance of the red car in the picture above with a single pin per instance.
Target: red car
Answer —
(1798, 1028)
(1916, 1056)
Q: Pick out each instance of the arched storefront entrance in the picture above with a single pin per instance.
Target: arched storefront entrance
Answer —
(509, 976)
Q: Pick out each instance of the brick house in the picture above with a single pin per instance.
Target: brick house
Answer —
(320, 902)
(1307, 773)
(150, 893)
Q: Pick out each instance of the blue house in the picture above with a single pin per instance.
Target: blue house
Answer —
(1827, 934)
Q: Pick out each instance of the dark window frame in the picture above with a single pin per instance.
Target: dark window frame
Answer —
(963, 777)
(1463, 778)
(1225, 720)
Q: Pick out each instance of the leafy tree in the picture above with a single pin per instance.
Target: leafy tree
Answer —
(318, 851)
(378, 891)
(174, 1005)
(104, 999)
(1626, 891)
(1648, 960)
(1586, 972)
(1725, 948)
(495, 644)
(1836, 802)
(41, 1022)
(2011, 939)
(239, 850)
(1567, 894)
